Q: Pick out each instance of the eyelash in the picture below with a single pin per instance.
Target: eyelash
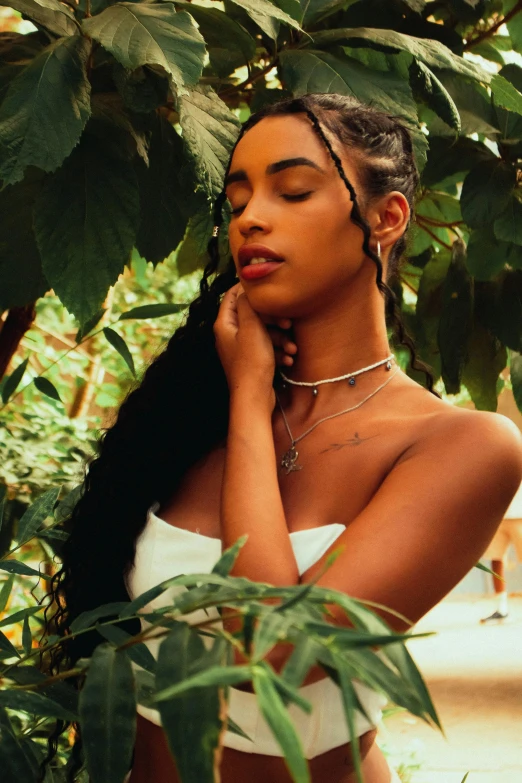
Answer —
(299, 197)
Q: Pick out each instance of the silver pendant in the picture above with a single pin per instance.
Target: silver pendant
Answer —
(289, 459)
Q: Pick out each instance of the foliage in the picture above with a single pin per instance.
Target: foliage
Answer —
(117, 119)
(194, 669)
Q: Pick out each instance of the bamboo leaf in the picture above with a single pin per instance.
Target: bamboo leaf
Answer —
(217, 675)
(120, 345)
(89, 325)
(13, 381)
(35, 704)
(226, 562)
(269, 631)
(350, 702)
(36, 515)
(18, 616)
(52, 91)
(3, 498)
(191, 721)
(280, 723)
(7, 647)
(139, 652)
(46, 387)
(88, 618)
(153, 311)
(15, 567)
(27, 638)
(15, 764)
(5, 592)
(107, 709)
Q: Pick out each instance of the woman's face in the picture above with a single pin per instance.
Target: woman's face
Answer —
(288, 201)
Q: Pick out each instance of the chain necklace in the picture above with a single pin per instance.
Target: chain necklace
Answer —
(349, 375)
(289, 458)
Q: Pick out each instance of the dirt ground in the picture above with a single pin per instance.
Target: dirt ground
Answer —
(474, 673)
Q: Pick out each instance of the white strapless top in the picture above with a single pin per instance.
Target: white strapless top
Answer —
(164, 551)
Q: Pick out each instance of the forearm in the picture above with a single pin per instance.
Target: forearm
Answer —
(250, 498)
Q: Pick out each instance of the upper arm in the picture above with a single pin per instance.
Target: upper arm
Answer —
(432, 517)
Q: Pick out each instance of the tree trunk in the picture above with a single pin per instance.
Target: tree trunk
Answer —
(18, 321)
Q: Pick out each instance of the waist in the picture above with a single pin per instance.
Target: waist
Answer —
(321, 730)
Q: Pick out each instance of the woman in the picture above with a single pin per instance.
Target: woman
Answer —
(212, 445)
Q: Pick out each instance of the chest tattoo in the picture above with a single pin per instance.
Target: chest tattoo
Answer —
(355, 441)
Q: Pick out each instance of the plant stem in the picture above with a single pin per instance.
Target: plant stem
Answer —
(493, 29)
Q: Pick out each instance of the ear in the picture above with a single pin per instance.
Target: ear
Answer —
(388, 218)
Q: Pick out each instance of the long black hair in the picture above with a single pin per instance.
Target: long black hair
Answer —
(179, 412)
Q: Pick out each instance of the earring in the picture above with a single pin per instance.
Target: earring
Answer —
(379, 249)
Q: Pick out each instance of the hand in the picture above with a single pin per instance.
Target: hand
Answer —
(244, 346)
(280, 331)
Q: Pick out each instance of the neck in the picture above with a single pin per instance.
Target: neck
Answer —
(343, 337)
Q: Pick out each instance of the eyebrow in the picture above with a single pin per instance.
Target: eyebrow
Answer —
(274, 168)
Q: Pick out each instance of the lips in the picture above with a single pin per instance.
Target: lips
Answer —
(248, 252)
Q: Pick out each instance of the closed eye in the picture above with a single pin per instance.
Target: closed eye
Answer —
(286, 196)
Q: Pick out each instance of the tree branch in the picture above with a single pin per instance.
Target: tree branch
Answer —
(493, 29)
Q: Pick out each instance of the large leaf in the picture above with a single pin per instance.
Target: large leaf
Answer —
(264, 12)
(456, 319)
(451, 157)
(229, 44)
(305, 70)
(503, 314)
(209, 132)
(51, 14)
(506, 94)
(84, 231)
(140, 34)
(21, 277)
(432, 53)
(45, 110)
(435, 94)
(486, 256)
(36, 515)
(487, 359)
(167, 193)
(508, 225)
(191, 720)
(107, 708)
(486, 192)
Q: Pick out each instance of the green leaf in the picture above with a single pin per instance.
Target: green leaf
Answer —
(140, 34)
(263, 12)
(280, 723)
(515, 370)
(139, 652)
(192, 253)
(269, 630)
(56, 17)
(229, 44)
(18, 616)
(487, 359)
(449, 157)
(89, 325)
(503, 315)
(217, 675)
(7, 647)
(486, 192)
(485, 257)
(108, 109)
(209, 132)
(15, 567)
(120, 345)
(143, 89)
(36, 515)
(431, 52)
(5, 592)
(301, 660)
(505, 94)
(53, 89)
(15, 764)
(350, 701)
(167, 193)
(35, 704)
(456, 319)
(107, 709)
(153, 311)
(88, 618)
(17, 241)
(226, 562)
(27, 639)
(191, 721)
(304, 71)
(46, 387)
(84, 233)
(435, 94)
(508, 226)
(12, 381)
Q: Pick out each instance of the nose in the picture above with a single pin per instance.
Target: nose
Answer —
(253, 220)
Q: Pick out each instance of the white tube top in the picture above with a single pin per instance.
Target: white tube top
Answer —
(164, 551)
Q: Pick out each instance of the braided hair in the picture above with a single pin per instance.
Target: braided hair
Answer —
(179, 411)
